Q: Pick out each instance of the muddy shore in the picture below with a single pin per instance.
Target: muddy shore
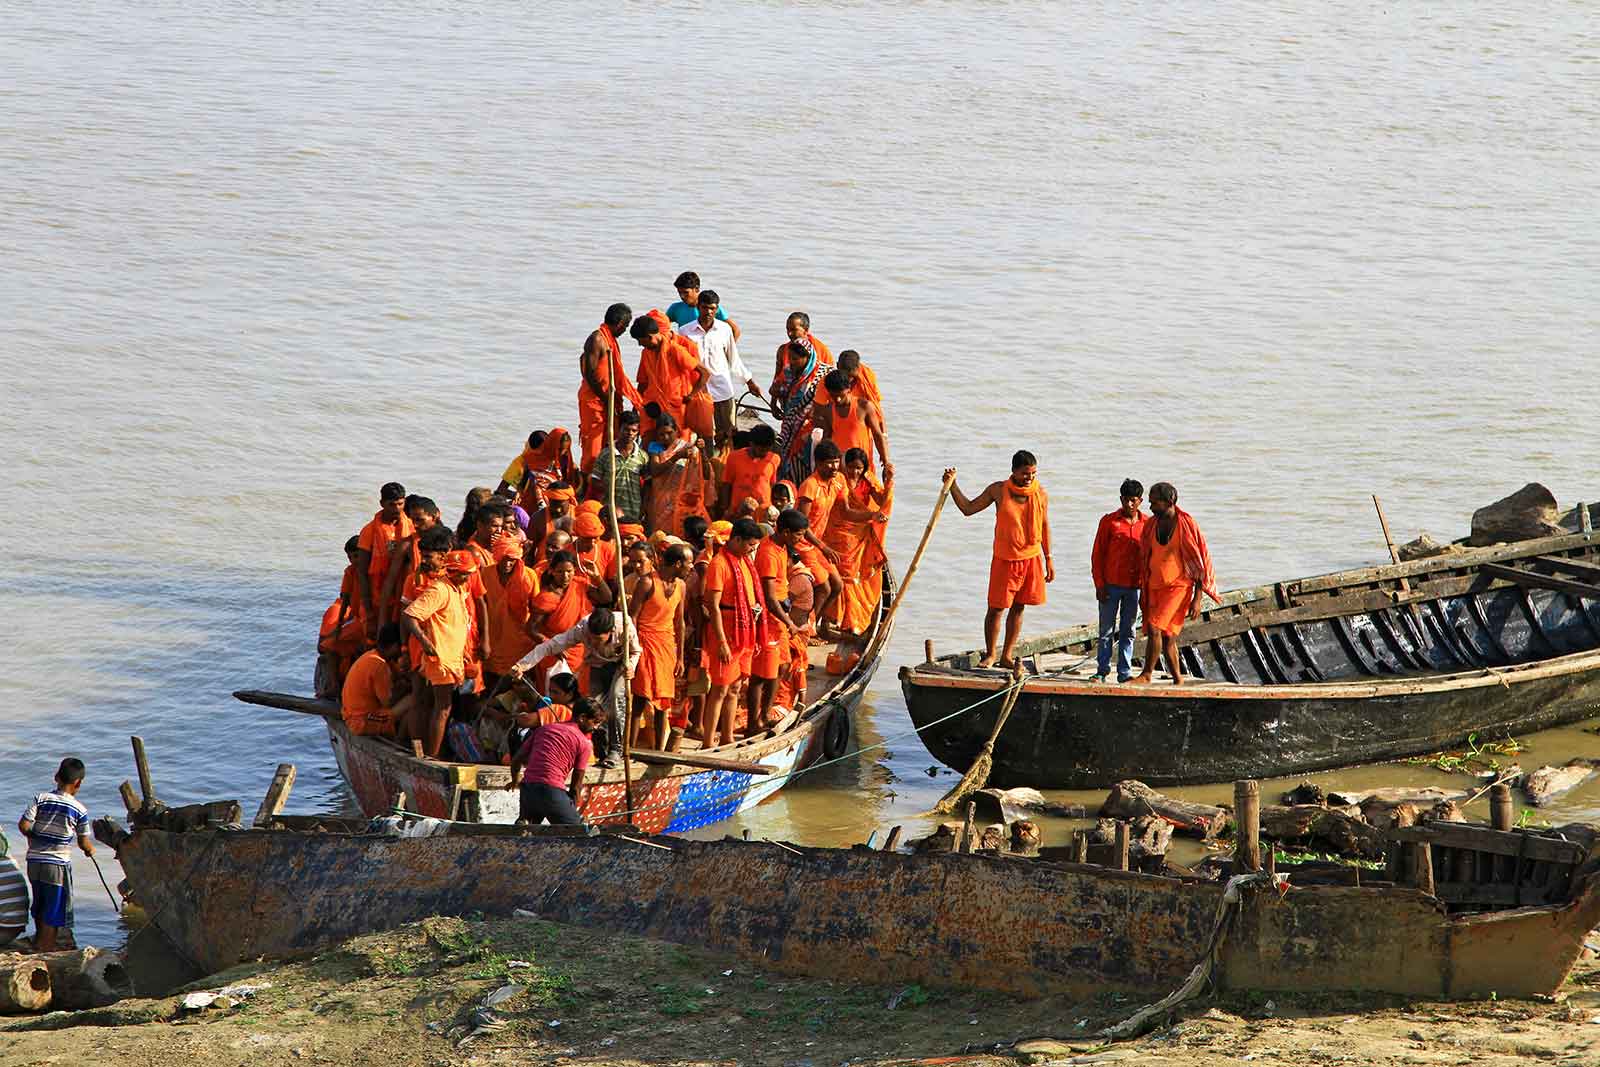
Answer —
(406, 997)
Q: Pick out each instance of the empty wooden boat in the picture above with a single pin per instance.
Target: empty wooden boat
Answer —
(1352, 667)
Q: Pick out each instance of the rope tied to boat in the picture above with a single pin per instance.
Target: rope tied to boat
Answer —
(1227, 908)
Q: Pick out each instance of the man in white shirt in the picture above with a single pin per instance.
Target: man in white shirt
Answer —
(719, 355)
(604, 642)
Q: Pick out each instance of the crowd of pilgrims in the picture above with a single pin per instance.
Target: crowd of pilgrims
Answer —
(735, 549)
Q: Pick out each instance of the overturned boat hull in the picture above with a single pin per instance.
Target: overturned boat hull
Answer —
(1347, 668)
(1021, 927)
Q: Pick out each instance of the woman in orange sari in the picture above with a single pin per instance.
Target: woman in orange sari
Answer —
(679, 475)
(545, 460)
(1175, 576)
(856, 533)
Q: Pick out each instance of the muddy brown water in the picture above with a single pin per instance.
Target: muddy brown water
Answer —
(260, 261)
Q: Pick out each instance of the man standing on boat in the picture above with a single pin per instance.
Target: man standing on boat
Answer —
(601, 368)
(719, 355)
(1021, 566)
(1175, 574)
(556, 756)
(1114, 562)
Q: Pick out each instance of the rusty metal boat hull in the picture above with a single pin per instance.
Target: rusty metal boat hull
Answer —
(1027, 928)
(1347, 668)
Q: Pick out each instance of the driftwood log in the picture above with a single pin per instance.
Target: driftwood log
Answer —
(1003, 805)
(1332, 829)
(79, 978)
(24, 984)
(1131, 799)
(1547, 783)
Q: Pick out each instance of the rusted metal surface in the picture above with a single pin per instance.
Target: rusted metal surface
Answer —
(972, 921)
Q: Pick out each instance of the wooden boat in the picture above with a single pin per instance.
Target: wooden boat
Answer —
(1353, 667)
(295, 884)
(669, 791)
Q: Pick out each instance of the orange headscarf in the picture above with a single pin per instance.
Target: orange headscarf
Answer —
(554, 451)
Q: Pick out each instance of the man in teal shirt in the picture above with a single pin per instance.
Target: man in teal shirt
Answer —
(686, 310)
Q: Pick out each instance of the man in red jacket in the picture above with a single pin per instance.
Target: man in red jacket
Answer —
(1115, 565)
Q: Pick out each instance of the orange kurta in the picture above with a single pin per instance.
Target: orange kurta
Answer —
(772, 562)
(655, 676)
(1167, 590)
(667, 373)
(861, 556)
(1016, 573)
(573, 607)
(733, 577)
(591, 408)
(866, 386)
(849, 430)
(380, 539)
(749, 475)
(364, 700)
(821, 492)
(443, 612)
(507, 602)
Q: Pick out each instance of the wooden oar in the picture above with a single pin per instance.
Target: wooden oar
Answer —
(977, 775)
(882, 633)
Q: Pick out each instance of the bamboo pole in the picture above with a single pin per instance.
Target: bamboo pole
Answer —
(622, 586)
(1247, 828)
(905, 581)
(1388, 539)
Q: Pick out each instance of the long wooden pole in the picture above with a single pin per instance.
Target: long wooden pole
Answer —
(622, 591)
(905, 581)
(1388, 539)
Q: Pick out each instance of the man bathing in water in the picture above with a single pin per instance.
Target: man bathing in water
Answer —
(1021, 566)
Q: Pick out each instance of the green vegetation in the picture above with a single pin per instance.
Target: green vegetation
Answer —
(1475, 759)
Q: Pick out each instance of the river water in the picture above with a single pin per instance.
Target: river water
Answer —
(260, 259)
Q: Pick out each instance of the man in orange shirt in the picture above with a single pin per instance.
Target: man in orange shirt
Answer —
(669, 369)
(438, 620)
(376, 698)
(1175, 577)
(815, 500)
(853, 421)
(1114, 563)
(776, 634)
(509, 586)
(601, 367)
(344, 633)
(732, 610)
(749, 471)
(1021, 565)
(378, 541)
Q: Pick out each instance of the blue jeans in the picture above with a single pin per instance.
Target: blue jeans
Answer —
(1120, 599)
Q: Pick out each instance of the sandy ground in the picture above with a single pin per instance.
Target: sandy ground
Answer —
(404, 998)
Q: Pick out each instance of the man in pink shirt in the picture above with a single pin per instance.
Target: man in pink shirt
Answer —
(1115, 564)
(550, 765)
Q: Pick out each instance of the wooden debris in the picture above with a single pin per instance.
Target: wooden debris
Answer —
(1247, 825)
(1002, 805)
(1330, 829)
(1545, 784)
(1305, 793)
(1025, 838)
(87, 977)
(1130, 799)
(944, 839)
(277, 795)
(141, 763)
(24, 984)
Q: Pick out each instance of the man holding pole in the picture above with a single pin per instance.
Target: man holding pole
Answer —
(1021, 566)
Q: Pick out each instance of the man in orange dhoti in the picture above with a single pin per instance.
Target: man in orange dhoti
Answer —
(509, 587)
(669, 369)
(655, 600)
(601, 366)
(438, 620)
(377, 544)
(775, 634)
(1021, 565)
(732, 609)
(1175, 575)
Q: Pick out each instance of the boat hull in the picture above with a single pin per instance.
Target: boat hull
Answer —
(1026, 928)
(1067, 738)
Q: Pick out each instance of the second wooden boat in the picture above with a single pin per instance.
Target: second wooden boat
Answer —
(1353, 667)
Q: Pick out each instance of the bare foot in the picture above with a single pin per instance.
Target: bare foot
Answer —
(986, 662)
(1177, 681)
(1139, 679)
(1006, 664)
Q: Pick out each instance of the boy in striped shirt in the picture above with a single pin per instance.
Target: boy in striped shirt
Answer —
(13, 897)
(51, 823)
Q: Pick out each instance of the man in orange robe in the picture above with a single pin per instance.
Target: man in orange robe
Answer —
(797, 327)
(852, 421)
(566, 595)
(591, 545)
(509, 586)
(375, 699)
(439, 620)
(777, 628)
(377, 543)
(601, 367)
(1175, 575)
(655, 600)
(343, 633)
(732, 606)
(748, 472)
(545, 458)
(669, 369)
(815, 500)
(1022, 564)
(859, 381)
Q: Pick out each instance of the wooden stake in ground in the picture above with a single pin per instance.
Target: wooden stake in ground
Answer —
(977, 775)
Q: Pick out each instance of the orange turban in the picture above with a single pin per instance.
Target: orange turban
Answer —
(560, 492)
(507, 546)
(632, 531)
(460, 562)
(719, 532)
(587, 524)
(592, 507)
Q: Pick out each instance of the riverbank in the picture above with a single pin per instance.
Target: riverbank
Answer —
(405, 998)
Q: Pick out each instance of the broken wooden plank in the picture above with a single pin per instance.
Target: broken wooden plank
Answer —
(1495, 842)
(141, 763)
(695, 759)
(1582, 568)
(1534, 580)
(1130, 799)
(277, 795)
